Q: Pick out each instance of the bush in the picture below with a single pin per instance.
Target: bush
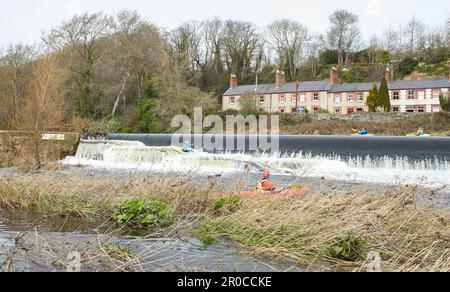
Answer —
(228, 204)
(347, 248)
(205, 233)
(145, 213)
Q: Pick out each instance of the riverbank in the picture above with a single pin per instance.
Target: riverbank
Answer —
(338, 231)
(379, 124)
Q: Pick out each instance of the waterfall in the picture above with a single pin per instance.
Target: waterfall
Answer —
(384, 168)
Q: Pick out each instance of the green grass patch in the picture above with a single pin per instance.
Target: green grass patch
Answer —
(229, 204)
(151, 212)
(348, 248)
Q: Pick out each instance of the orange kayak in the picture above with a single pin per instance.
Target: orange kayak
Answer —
(297, 192)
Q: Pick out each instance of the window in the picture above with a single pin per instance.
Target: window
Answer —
(360, 110)
(436, 94)
(360, 97)
(337, 110)
(282, 99)
(282, 110)
(396, 109)
(337, 98)
(302, 98)
(232, 100)
(316, 97)
(436, 109)
(316, 110)
(396, 95)
(411, 94)
(421, 109)
(421, 94)
(294, 98)
(350, 111)
(351, 98)
(262, 100)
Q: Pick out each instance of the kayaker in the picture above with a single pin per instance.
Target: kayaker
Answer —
(264, 184)
(187, 147)
(421, 131)
(363, 132)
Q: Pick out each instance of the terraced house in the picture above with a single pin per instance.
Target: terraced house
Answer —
(330, 96)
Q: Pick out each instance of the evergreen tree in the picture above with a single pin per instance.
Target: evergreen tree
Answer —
(372, 99)
(445, 103)
(384, 100)
(146, 121)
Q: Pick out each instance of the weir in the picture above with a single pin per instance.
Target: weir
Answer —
(372, 159)
(414, 148)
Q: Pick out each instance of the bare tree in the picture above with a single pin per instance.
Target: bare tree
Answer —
(415, 32)
(82, 34)
(242, 46)
(13, 80)
(213, 42)
(42, 109)
(140, 47)
(184, 45)
(344, 34)
(288, 39)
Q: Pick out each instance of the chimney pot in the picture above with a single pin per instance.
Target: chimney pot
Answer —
(388, 75)
(280, 78)
(334, 75)
(233, 81)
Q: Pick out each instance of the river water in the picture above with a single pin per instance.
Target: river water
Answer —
(30, 242)
(366, 165)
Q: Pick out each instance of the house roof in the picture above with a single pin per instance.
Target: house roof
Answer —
(308, 86)
(419, 84)
(325, 85)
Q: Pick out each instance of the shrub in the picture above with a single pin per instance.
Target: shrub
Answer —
(145, 213)
(348, 248)
(205, 233)
(229, 204)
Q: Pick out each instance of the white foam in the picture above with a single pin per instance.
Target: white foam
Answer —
(135, 155)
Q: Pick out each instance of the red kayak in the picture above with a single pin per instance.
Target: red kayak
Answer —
(297, 192)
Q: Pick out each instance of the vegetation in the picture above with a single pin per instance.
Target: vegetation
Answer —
(347, 248)
(372, 99)
(229, 204)
(445, 103)
(144, 213)
(384, 98)
(122, 73)
(315, 231)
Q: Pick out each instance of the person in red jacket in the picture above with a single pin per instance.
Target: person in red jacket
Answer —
(264, 184)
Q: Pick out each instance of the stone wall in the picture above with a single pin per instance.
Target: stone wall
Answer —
(365, 117)
(65, 143)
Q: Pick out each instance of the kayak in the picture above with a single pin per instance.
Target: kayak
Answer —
(421, 136)
(359, 135)
(293, 192)
(179, 150)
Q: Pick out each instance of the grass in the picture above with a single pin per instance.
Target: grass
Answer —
(340, 231)
(335, 231)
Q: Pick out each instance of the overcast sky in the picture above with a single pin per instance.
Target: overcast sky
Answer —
(25, 20)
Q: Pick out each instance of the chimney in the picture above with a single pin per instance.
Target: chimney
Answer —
(233, 81)
(280, 78)
(388, 75)
(334, 75)
(448, 63)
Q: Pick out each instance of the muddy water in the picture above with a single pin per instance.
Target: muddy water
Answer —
(32, 242)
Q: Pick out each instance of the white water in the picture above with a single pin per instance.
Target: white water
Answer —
(135, 155)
